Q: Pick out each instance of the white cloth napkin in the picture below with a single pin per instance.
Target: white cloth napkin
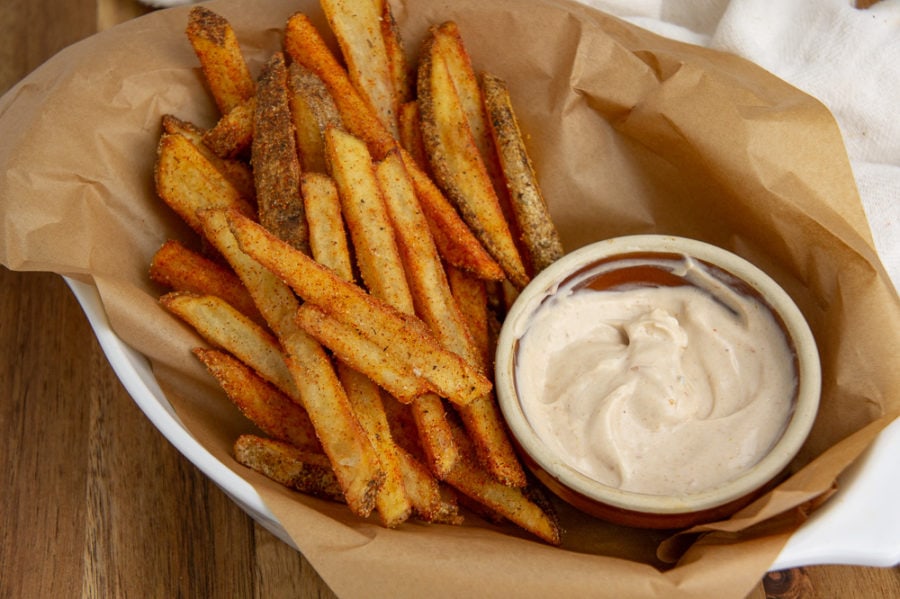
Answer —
(847, 58)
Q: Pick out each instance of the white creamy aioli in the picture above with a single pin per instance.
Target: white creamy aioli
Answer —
(656, 389)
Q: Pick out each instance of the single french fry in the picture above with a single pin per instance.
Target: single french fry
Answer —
(272, 411)
(392, 502)
(221, 60)
(455, 240)
(327, 235)
(457, 163)
(512, 503)
(396, 53)
(350, 346)
(471, 297)
(430, 500)
(411, 134)
(222, 326)
(313, 111)
(356, 25)
(405, 338)
(344, 441)
(232, 134)
(364, 213)
(539, 234)
(304, 471)
(175, 266)
(276, 165)
(436, 305)
(238, 173)
(304, 44)
(188, 182)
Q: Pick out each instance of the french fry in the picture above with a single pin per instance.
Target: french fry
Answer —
(238, 173)
(512, 503)
(304, 44)
(455, 241)
(344, 441)
(457, 163)
(187, 182)
(295, 468)
(313, 111)
(396, 53)
(357, 26)
(350, 346)
(221, 60)
(327, 235)
(222, 326)
(411, 135)
(366, 219)
(232, 134)
(530, 211)
(438, 308)
(175, 266)
(272, 411)
(471, 297)
(405, 338)
(276, 166)
(392, 502)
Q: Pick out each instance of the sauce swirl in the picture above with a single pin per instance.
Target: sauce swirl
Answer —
(656, 374)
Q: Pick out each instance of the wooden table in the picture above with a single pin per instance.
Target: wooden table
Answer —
(96, 502)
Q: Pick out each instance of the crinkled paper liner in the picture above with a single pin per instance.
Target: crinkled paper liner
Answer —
(630, 133)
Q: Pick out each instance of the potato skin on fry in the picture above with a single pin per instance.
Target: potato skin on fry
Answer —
(276, 166)
(539, 234)
(300, 470)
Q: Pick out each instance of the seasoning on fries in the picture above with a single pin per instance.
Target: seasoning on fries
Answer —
(353, 216)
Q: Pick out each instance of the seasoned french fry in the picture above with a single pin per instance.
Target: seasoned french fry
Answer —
(327, 235)
(471, 297)
(344, 441)
(512, 503)
(366, 219)
(436, 305)
(539, 234)
(304, 44)
(272, 411)
(457, 163)
(232, 134)
(465, 81)
(187, 182)
(357, 26)
(238, 173)
(405, 338)
(175, 266)
(221, 325)
(396, 53)
(295, 468)
(392, 502)
(313, 111)
(276, 166)
(350, 346)
(455, 241)
(221, 60)
(411, 134)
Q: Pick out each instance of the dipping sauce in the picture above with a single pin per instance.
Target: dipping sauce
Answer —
(655, 374)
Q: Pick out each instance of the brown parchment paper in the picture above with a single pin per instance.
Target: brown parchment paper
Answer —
(630, 133)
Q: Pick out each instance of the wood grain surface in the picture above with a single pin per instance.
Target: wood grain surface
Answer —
(96, 502)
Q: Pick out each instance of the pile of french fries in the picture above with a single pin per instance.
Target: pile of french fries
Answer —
(362, 222)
